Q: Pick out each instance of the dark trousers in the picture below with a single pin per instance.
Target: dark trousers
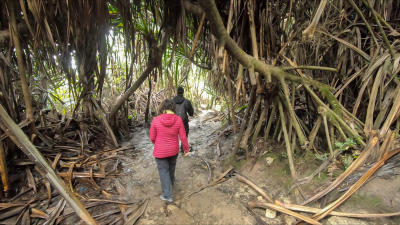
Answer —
(166, 169)
(187, 134)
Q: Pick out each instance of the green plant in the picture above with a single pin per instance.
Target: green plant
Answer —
(346, 145)
(321, 157)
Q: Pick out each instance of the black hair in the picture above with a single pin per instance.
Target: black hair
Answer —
(167, 104)
(180, 90)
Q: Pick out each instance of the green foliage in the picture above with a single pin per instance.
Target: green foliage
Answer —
(346, 145)
(322, 158)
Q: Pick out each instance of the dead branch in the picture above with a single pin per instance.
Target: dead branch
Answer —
(255, 187)
(254, 204)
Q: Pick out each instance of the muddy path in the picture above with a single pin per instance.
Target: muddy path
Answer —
(226, 203)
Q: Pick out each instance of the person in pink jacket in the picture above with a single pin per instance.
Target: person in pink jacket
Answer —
(164, 132)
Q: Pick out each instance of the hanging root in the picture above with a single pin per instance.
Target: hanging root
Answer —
(287, 141)
(309, 31)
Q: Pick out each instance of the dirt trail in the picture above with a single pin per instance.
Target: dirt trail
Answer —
(226, 203)
(210, 206)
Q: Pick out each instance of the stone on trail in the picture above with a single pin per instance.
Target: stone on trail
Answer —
(269, 213)
(269, 161)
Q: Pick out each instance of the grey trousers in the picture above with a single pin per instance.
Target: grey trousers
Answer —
(187, 134)
(166, 169)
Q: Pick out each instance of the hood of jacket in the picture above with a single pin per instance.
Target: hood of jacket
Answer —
(168, 120)
(179, 99)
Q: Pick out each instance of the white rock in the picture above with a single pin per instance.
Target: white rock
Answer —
(269, 213)
(269, 161)
(260, 199)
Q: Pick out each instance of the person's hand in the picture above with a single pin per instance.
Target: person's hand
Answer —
(186, 154)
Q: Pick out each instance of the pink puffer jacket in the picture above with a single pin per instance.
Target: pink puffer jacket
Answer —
(164, 133)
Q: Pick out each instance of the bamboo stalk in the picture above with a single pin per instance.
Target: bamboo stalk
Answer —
(20, 139)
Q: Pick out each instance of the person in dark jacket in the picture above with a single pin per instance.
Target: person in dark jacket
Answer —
(182, 102)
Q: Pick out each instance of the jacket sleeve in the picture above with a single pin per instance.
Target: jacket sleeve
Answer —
(153, 131)
(182, 135)
(190, 109)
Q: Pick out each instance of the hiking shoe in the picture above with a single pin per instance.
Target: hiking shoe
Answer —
(165, 199)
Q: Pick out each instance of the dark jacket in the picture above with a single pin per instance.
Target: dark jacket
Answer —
(179, 99)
